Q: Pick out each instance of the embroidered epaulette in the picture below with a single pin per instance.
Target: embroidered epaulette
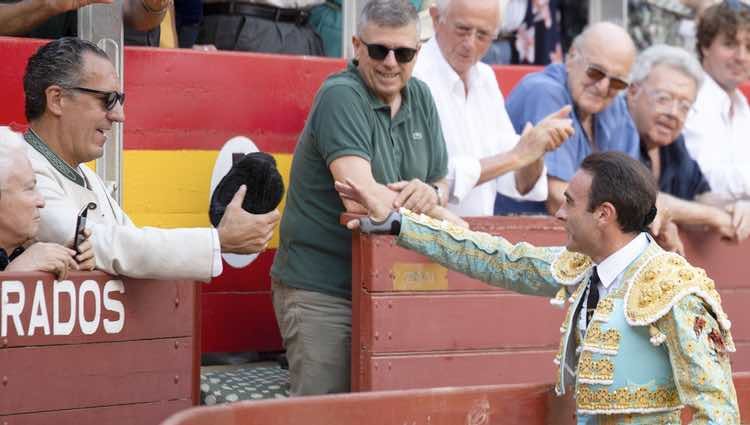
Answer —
(570, 267)
(661, 283)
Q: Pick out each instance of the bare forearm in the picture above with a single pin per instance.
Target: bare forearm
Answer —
(686, 212)
(556, 195)
(22, 17)
(497, 165)
(527, 176)
(381, 192)
(136, 15)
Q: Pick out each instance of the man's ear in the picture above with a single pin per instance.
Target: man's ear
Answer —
(435, 15)
(606, 213)
(55, 99)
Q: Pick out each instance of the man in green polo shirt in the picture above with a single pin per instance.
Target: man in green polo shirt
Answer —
(374, 125)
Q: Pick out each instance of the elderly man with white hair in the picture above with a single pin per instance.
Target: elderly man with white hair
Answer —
(20, 203)
(665, 82)
(485, 154)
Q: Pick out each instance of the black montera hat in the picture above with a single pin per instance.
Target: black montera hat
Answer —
(265, 188)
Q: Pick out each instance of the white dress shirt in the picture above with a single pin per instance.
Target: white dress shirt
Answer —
(611, 271)
(474, 126)
(717, 135)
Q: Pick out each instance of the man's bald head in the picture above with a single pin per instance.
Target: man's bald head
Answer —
(598, 66)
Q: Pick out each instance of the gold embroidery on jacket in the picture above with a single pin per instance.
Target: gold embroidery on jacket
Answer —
(599, 341)
(592, 371)
(639, 400)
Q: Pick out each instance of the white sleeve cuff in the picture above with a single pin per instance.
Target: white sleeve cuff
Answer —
(463, 175)
(506, 185)
(216, 265)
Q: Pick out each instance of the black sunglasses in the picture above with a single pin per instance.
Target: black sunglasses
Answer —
(596, 74)
(379, 52)
(110, 98)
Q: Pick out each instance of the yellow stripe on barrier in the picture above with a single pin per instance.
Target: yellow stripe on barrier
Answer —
(171, 188)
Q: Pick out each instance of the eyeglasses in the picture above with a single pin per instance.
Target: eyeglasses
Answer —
(380, 52)
(597, 74)
(463, 31)
(110, 98)
(665, 102)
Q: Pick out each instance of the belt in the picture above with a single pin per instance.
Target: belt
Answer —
(271, 13)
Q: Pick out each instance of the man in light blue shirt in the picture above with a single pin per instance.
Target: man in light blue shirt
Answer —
(595, 72)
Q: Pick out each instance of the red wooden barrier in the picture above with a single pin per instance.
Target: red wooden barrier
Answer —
(417, 325)
(96, 349)
(524, 404)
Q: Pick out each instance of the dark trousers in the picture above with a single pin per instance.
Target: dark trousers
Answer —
(254, 34)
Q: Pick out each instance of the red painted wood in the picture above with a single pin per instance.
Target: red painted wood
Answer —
(52, 378)
(128, 414)
(458, 368)
(500, 404)
(521, 404)
(238, 322)
(466, 321)
(146, 302)
(253, 278)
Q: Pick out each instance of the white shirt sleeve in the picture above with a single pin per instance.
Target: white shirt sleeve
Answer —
(463, 175)
(506, 185)
(216, 264)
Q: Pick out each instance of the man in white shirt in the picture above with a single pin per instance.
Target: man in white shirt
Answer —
(717, 131)
(72, 101)
(486, 156)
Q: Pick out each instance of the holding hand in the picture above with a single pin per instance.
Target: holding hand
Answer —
(740, 212)
(62, 6)
(86, 259)
(45, 257)
(377, 210)
(241, 232)
(414, 195)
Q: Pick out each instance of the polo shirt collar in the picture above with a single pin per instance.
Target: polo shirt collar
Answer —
(613, 266)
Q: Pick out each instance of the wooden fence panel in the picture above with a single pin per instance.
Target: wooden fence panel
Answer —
(80, 349)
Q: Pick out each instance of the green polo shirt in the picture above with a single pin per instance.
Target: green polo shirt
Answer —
(347, 119)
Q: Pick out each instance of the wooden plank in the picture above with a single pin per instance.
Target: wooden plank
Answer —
(465, 321)
(239, 322)
(517, 404)
(129, 414)
(426, 370)
(145, 309)
(37, 379)
(462, 368)
(480, 321)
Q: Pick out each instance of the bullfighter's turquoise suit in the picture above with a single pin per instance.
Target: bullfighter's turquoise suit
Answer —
(657, 342)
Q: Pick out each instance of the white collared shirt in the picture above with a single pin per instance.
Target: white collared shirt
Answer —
(719, 141)
(474, 126)
(611, 271)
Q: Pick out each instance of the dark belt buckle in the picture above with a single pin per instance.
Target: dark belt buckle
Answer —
(302, 17)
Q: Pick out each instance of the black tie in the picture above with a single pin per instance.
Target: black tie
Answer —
(593, 297)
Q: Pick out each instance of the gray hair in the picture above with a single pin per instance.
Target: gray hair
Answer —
(389, 14)
(59, 62)
(11, 150)
(661, 54)
(442, 7)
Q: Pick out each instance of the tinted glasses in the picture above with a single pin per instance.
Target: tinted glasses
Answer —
(597, 74)
(379, 52)
(110, 98)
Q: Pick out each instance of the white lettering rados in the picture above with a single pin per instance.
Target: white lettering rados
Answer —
(9, 309)
(58, 288)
